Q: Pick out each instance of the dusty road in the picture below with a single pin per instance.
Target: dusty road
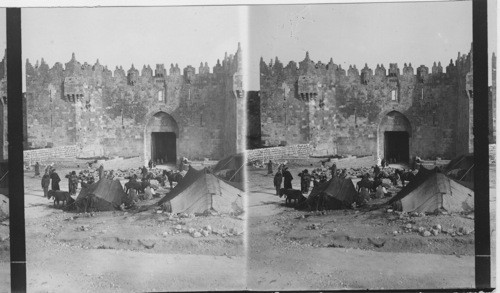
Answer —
(126, 252)
(284, 254)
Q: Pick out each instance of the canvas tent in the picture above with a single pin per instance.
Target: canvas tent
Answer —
(461, 169)
(109, 194)
(200, 191)
(434, 191)
(230, 168)
(4, 207)
(337, 193)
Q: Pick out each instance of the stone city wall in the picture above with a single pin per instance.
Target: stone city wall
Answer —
(341, 111)
(49, 154)
(279, 153)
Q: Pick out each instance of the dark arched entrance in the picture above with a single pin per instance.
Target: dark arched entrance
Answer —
(394, 137)
(161, 138)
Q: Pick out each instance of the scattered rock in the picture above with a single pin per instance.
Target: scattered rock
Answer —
(314, 226)
(426, 233)
(395, 233)
(178, 227)
(196, 234)
(191, 230)
(159, 211)
(464, 230)
(208, 227)
(205, 233)
(435, 232)
(437, 227)
(165, 234)
(408, 226)
(421, 229)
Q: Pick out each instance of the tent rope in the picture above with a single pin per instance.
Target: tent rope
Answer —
(236, 172)
(467, 172)
(457, 163)
(228, 161)
(1, 179)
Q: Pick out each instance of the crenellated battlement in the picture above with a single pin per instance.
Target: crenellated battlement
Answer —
(229, 65)
(461, 65)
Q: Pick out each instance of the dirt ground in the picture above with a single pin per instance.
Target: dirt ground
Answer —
(128, 252)
(287, 249)
(353, 249)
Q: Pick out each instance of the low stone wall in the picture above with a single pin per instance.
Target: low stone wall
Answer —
(50, 154)
(279, 153)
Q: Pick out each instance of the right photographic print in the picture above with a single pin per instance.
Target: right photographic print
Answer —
(361, 147)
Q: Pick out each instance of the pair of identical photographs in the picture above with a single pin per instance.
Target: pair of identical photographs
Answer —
(211, 106)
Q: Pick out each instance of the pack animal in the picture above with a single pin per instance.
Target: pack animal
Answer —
(367, 183)
(173, 177)
(292, 194)
(405, 176)
(139, 186)
(86, 204)
(59, 196)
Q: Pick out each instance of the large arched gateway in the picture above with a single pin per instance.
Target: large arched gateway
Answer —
(394, 133)
(160, 138)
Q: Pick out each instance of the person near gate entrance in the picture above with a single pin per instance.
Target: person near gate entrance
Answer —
(37, 169)
(101, 171)
(46, 183)
(55, 179)
(270, 167)
(287, 178)
(333, 170)
(278, 178)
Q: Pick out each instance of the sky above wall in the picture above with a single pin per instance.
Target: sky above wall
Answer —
(351, 34)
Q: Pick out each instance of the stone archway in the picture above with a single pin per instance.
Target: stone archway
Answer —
(394, 137)
(161, 138)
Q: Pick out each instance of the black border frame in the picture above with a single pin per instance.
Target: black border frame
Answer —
(480, 112)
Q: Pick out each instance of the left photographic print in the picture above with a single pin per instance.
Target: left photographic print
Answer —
(4, 180)
(132, 153)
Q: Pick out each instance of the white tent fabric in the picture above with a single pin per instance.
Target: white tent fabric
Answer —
(439, 192)
(4, 207)
(207, 192)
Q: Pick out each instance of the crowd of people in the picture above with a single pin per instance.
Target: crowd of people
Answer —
(317, 176)
(366, 187)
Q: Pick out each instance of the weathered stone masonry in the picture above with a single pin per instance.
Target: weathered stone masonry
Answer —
(114, 113)
(347, 112)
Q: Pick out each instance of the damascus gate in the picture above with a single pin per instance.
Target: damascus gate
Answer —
(397, 113)
(161, 113)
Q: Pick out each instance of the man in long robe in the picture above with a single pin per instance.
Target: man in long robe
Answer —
(287, 176)
(55, 180)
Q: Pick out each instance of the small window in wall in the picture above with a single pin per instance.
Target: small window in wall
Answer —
(393, 95)
(160, 96)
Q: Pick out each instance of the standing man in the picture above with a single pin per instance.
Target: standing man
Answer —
(74, 182)
(101, 172)
(278, 178)
(333, 170)
(55, 180)
(270, 167)
(37, 169)
(46, 183)
(305, 181)
(181, 164)
(287, 176)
